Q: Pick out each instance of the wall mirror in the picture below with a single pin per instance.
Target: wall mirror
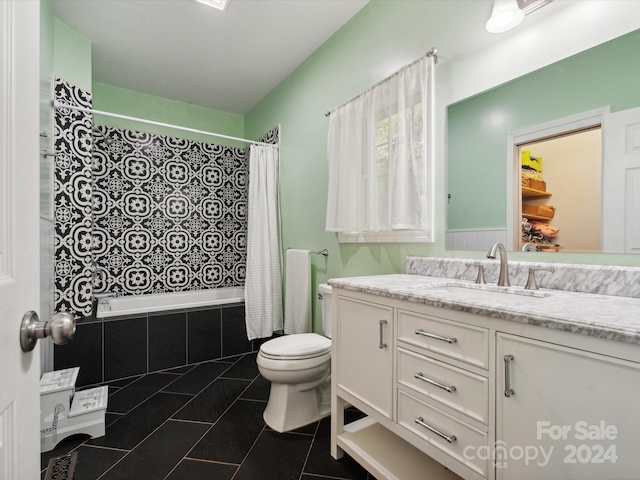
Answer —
(578, 115)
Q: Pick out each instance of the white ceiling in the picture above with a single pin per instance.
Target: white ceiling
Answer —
(186, 51)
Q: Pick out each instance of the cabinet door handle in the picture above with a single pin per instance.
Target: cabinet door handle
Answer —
(448, 438)
(508, 391)
(436, 337)
(382, 344)
(420, 376)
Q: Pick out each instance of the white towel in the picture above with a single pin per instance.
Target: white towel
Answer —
(297, 310)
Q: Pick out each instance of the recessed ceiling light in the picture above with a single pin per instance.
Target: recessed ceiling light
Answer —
(219, 4)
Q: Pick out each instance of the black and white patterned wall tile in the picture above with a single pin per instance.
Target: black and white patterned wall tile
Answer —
(72, 201)
(169, 214)
(272, 136)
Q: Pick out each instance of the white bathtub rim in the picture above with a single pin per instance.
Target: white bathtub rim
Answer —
(129, 305)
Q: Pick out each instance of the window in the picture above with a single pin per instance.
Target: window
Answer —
(380, 163)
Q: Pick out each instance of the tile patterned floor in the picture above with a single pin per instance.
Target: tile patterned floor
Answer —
(202, 422)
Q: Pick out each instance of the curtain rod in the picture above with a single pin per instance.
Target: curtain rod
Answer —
(57, 104)
(431, 53)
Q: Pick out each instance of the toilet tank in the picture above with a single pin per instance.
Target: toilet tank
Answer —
(324, 291)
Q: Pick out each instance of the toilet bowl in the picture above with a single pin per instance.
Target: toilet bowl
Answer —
(299, 369)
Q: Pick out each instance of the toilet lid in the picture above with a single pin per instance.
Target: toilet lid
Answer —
(296, 347)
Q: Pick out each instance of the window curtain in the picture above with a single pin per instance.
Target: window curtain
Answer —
(263, 284)
(379, 154)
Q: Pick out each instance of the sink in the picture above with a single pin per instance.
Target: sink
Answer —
(487, 293)
(501, 290)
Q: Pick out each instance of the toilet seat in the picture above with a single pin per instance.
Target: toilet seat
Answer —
(300, 346)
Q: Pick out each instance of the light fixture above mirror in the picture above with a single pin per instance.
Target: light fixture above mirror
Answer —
(219, 4)
(507, 14)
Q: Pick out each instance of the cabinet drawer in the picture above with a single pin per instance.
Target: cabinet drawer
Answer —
(463, 342)
(463, 391)
(464, 448)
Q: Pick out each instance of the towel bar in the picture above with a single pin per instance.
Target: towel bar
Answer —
(324, 252)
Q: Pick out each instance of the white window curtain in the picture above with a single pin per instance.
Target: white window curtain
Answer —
(263, 283)
(379, 154)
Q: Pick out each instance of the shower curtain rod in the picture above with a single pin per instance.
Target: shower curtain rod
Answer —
(57, 104)
(431, 53)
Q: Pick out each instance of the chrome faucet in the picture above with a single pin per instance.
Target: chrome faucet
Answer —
(96, 300)
(503, 279)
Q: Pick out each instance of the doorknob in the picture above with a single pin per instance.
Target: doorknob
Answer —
(61, 329)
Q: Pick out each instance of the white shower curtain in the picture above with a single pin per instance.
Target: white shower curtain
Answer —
(263, 285)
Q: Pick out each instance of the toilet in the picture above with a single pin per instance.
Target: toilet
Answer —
(299, 369)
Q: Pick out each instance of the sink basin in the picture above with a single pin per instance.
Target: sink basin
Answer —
(502, 290)
(487, 293)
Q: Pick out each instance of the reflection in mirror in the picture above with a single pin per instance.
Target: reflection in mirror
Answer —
(484, 170)
(561, 197)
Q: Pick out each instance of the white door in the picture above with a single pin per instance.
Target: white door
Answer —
(621, 182)
(19, 237)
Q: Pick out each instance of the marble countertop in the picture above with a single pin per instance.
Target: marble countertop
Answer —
(605, 316)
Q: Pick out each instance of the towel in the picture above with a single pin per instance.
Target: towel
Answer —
(297, 309)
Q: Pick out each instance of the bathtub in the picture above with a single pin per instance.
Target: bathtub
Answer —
(160, 302)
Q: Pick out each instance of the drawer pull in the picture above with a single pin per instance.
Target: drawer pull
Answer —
(382, 344)
(448, 438)
(419, 376)
(436, 337)
(508, 391)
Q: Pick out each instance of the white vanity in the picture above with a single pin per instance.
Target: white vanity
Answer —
(489, 383)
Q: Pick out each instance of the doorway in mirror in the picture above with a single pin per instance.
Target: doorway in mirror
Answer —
(561, 192)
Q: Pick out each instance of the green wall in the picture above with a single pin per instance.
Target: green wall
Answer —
(71, 56)
(72, 61)
(477, 128)
(358, 55)
(134, 104)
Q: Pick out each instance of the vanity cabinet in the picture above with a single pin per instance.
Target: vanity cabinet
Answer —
(433, 380)
(364, 345)
(564, 413)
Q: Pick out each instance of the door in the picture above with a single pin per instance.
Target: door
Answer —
(571, 415)
(621, 182)
(364, 349)
(19, 237)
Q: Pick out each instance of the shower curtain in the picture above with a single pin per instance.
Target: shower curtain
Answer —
(263, 285)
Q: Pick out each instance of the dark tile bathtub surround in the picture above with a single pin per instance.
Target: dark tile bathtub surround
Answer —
(125, 348)
(167, 341)
(204, 335)
(86, 350)
(106, 350)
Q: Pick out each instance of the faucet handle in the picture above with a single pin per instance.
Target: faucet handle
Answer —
(531, 280)
(480, 278)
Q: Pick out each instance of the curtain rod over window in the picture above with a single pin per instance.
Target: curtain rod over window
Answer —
(431, 53)
(57, 104)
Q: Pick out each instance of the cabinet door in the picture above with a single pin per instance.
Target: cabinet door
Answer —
(364, 347)
(571, 415)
